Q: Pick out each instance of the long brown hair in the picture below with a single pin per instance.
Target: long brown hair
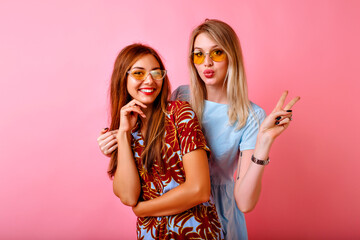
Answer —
(235, 80)
(119, 97)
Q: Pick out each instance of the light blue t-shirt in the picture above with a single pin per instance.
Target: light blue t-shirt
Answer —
(225, 143)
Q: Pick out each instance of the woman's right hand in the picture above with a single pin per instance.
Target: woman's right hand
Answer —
(107, 140)
(129, 115)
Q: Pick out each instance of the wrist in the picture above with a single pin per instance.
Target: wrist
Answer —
(262, 147)
(260, 161)
(137, 210)
(264, 140)
(123, 136)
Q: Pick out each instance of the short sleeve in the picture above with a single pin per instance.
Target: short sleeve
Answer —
(188, 129)
(251, 129)
(181, 93)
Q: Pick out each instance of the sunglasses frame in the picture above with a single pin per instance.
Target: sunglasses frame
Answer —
(148, 72)
(209, 53)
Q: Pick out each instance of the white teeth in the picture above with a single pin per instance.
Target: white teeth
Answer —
(147, 90)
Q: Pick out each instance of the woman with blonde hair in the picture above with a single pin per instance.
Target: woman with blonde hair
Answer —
(230, 122)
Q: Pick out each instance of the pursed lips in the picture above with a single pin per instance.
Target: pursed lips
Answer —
(209, 73)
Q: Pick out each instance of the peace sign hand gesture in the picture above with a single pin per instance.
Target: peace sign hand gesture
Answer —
(129, 115)
(279, 119)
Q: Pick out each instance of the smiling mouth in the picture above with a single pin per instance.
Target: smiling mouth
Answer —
(147, 91)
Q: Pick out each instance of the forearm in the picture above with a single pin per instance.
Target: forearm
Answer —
(247, 191)
(195, 190)
(126, 183)
(173, 202)
(248, 185)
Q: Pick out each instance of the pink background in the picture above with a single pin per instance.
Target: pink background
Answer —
(56, 59)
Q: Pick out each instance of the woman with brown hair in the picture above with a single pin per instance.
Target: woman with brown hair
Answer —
(160, 167)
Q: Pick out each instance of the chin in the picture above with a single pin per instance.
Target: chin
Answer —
(211, 82)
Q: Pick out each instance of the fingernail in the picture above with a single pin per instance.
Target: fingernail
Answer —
(277, 123)
(278, 118)
(105, 129)
(289, 110)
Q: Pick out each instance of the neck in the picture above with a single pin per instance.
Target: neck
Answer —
(217, 94)
(147, 111)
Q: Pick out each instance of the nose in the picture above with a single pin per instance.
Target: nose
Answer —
(149, 79)
(208, 61)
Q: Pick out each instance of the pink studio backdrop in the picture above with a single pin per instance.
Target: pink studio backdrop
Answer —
(56, 60)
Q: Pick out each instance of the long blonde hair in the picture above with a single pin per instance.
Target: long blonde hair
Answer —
(239, 105)
(119, 97)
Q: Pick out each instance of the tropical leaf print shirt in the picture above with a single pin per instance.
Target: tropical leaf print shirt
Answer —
(182, 135)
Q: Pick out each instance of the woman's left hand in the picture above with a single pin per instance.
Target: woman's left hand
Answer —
(278, 120)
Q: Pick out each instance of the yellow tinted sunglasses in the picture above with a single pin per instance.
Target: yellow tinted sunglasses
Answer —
(216, 55)
(141, 74)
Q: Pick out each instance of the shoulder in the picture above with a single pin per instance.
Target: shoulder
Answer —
(181, 93)
(178, 106)
(180, 112)
(182, 88)
(259, 112)
(256, 115)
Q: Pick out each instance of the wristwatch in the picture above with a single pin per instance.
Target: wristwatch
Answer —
(260, 162)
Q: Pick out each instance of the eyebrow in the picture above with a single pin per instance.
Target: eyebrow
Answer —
(141, 68)
(212, 47)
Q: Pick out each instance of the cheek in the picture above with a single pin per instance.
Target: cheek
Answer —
(128, 86)
(131, 86)
(224, 67)
(198, 68)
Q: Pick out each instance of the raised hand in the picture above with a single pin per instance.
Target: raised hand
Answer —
(129, 115)
(279, 119)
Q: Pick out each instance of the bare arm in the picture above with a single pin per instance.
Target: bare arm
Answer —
(248, 180)
(195, 189)
(126, 182)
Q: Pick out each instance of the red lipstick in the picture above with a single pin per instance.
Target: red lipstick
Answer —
(147, 91)
(208, 73)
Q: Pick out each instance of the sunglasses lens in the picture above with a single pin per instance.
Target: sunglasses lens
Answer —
(198, 57)
(138, 74)
(158, 74)
(217, 55)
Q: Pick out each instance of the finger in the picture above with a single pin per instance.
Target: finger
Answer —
(110, 150)
(106, 141)
(136, 102)
(291, 103)
(281, 101)
(105, 148)
(104, 130)
(280, 114)
(131, 109)
(103, 136)
(283, 122)
(110, 143)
